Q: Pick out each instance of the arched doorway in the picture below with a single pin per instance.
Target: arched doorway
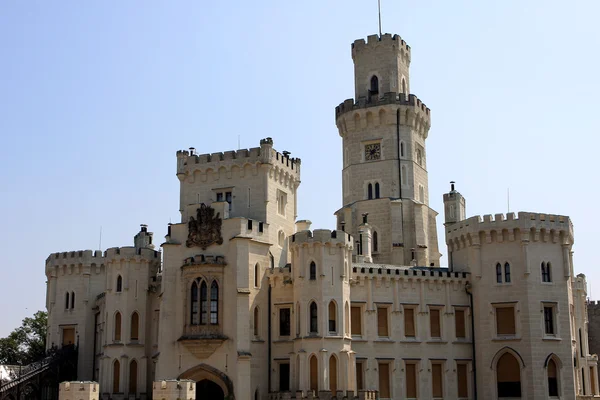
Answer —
(208, 390)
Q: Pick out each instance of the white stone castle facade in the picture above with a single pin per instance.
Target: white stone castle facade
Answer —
(248, 303)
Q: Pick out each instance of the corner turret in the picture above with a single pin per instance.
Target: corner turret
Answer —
(455, 206)
(143, 240)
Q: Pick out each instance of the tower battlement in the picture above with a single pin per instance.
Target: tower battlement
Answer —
(386, 40)
(88, 257)
(323, 236)
(388, 98)
(188, 160)
(528, 226)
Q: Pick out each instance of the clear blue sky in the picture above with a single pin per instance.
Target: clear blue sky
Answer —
(96, 97)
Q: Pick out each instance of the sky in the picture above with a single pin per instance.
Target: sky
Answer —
(96, 98)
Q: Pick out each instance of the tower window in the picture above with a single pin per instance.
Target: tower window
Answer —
(370, 191)
(313, 271)
(281, 202)
(314, 319)
(546, 276)
(375, 242)
(498, 273)
(401, 149)
(374, 84)
(507, 273)
(285, 321)
(119, 284)
(214, 303)
(67, 300)
(376, 190)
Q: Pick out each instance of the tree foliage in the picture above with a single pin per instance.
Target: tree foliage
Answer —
(27, 343)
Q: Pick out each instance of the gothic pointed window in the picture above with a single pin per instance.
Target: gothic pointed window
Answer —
(119, 284)
(370, 191)
(552, 378)
(377, 190)
(214, 303)
(72, 300)
(314, 319)
(508, 376)
(203, 304)
(67, 300)
(498, 273)
(117, 327)
(313, 271)
(332, 317)
(133, 372)
(116, 376)
(194, 316)
(135, 326)
(507, 273)
(374, 84)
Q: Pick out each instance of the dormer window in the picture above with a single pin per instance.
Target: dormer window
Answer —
(374, 85)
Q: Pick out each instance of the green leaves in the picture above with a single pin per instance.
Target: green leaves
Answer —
(25, 344)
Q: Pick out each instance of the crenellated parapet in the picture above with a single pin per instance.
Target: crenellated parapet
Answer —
(280, 276)
(389, 109)
(323, 237)
(384, 42)
(433, 275)
(115, 254)
(224, 165)
(500, 228)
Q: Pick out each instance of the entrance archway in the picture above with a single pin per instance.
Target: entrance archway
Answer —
(208, 390)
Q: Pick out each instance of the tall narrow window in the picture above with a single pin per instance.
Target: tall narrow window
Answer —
(375, 242)
(411, 381)
(546, 277)
(434, 323)
(284, 377)
(117, 326)
(314, 374)
(314, 319)
(256, 275)
(116, 376)
(72, 300)
(203, 303)
(384, 381)
(421, 194)
(404, 176)
(133, 368)
(356, 323)
(459, 324)
(553, 379)
(370, 191)
(256, 321)
(382, 322)
(194, 312)
(419, 157)
(135, 324)
(298, 319)
(333, 375)
(284, 321)
(374, 84)
(404, 86)
(549, 320)
(498, 273)
(437, 381)
(228, 199)
(67, 300)
(508, 376)
(463, 386)
(214, 303)
(360, 376)
(119, 284)
(507, 273)
(376, 190)
(409, 322)
(401, 149)
(313, 271)
(347, 320)
(332, 317)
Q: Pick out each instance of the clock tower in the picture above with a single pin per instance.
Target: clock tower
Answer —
(384, 173)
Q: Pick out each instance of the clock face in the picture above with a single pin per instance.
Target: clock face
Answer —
(372, 151)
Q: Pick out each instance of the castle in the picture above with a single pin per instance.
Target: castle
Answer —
(244, 301)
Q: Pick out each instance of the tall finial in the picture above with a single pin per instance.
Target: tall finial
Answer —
(379, 9)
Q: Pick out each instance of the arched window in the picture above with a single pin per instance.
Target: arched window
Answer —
(67, 300)
(133, 368)
(375, 242)
(370, 191)
(214, 303)
(506, 273)
(313, 271)
(403, 86)
(256, 321)
(332, 317)
(333, 374)
(314, 319)
(498, 273)
(135, 326)
(552, 379)
(194, 316)
(508, 376)
(376, 190)
(119, 284)
(256, 275)
(203, 304)
(256, 394)
(374, 84)
(116, 376)
(546, 277)
(314, 373)
(117, 326)
(298, 319)
(72, 300)
(401, 149)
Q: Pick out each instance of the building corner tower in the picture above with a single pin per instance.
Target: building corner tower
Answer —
(384, 130)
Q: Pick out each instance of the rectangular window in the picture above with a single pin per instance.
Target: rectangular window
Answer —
(436, 381)
(220, 196)
(360, 376)
(382, 322)
(461, 376)
(459, 324)
(411, 381)
(384, 381)
(284, 377)
(434, 323)
(549, 320)
(505, 321)
(356, 321)
(409, 322)
(284, 321)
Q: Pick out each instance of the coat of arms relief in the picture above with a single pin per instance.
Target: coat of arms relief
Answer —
(205, 229)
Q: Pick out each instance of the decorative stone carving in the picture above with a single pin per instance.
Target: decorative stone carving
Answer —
(205, 229)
